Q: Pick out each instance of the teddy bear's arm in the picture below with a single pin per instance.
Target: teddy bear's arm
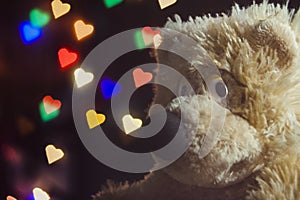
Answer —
(160, 186)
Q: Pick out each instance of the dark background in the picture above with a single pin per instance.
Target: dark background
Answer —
(29, 72)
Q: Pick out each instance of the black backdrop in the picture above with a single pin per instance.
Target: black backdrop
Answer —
(29, 72)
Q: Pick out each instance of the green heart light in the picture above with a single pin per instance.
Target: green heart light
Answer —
(39, 18)
(138, 40)
(112, 3)
(45, 116)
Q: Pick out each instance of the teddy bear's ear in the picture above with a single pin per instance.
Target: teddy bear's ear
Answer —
(296, 25)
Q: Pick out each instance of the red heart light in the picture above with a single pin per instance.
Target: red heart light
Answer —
(66, 58)
(149, 31)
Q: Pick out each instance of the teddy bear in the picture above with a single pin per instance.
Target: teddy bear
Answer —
(257, 155)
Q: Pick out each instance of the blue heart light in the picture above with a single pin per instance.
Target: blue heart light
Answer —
(109, 88)
(29, 33)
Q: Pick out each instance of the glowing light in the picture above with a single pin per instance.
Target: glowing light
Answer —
(145, 37)
(111, 3)
(47, 117)
(131, 124)
(82, 30)
(59, 9)
(66, 58)
(166, 3)
(138, 40)
(10, 198)
(148, 35)
(50, 104)
(40, 194)
(29, 33)
(109, 88)
(140, 77)
(25, 126)
(39, 18)
(157, 40)
(82, 78)
(53, 154)
(11, 154)
(49, 108)
(94, 119)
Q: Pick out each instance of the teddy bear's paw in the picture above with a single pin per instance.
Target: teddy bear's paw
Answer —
(236, 154)
(278, 181)
(280, 178)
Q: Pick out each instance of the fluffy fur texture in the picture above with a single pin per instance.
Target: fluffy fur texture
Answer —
(257, 155)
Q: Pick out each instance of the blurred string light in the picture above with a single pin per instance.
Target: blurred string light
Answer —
(82, 78)
(140, 77)
(25, 125)
(10, 198)
(109, 88)
(144, 38)
(59, 8)
(66, 58)
(166, 3)
(11, 154)
(131, 124)
(111, 3)
(53, 154)
(157, 40)
(39, 18)
(49, 108)
(94, 119)
(39, 194)
(148, 35)
(82, 29)
(29, 33)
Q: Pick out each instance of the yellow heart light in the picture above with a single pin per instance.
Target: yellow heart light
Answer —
(166, 3)
(82, 30)
(53, 154)
(131, 124)
(59, 8)
(82, 78)
(40, 194)
(94, 119)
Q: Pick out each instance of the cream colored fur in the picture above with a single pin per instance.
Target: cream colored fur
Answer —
(258, 153)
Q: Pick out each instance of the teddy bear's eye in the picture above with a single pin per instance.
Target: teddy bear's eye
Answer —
(219, 88)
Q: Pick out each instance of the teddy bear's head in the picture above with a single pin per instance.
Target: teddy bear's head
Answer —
(257, 54)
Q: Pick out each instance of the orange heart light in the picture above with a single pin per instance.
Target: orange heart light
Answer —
(82, 29)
